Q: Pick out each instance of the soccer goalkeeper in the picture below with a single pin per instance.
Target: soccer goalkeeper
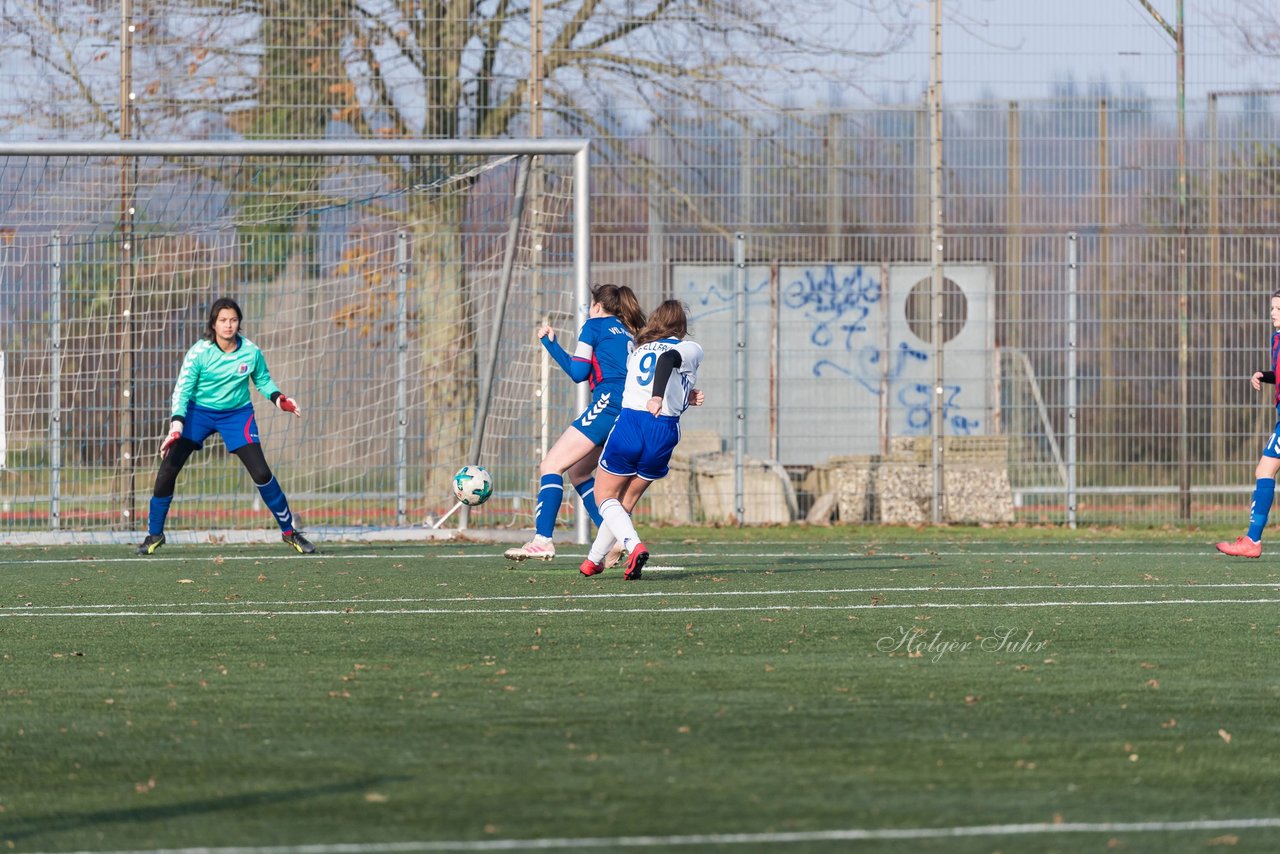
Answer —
(212, 394)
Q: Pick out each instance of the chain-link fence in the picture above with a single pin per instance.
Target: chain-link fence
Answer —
(1108, 254)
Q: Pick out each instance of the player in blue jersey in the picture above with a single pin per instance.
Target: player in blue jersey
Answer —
(212, 394)
(600, 358)
(1264, 487)
(662, 375)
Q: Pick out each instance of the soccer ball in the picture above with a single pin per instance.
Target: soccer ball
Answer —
(472, 485)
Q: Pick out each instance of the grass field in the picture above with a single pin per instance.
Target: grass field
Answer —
(798, 690)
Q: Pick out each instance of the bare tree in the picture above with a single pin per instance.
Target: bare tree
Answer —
(403, 69)
(1255, 26)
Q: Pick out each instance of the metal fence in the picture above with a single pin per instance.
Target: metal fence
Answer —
(1109, 252)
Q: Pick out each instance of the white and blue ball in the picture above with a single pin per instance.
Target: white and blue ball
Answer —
(472, 485)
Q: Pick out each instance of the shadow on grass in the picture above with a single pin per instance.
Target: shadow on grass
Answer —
(774, 566)
(64, 822)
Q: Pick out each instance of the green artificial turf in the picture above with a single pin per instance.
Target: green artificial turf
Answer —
(754, 691)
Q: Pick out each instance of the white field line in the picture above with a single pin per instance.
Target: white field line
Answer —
(1206, 551)
(781, 838)
(406, 612)
(215, 556)
(656, 594)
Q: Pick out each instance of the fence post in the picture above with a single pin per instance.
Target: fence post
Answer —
(55, 387)
(739, 373)
(1073, 378)
(402, 376)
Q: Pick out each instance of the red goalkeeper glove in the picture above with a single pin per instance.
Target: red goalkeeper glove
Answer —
(288, 404)
(175, 433)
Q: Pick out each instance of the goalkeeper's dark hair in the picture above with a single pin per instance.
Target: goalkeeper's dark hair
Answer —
(214, 310)
(669, 320)
(621, 302)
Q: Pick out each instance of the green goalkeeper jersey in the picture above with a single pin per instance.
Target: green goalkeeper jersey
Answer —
(212, 379)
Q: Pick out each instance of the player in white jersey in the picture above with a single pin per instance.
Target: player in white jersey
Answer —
(662, 375)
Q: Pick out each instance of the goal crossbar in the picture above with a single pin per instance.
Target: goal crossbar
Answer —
(575, 151)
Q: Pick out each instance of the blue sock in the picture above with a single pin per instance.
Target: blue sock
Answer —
(550, 494)
(157, 513)
(587, 489)
(1263, 493)
(273, 497)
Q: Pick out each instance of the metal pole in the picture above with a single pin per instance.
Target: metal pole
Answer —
(739, 375)
(1108, 449)
(581, 274)
(499, 312)
(1217, 407)
(402, 377)
(1013, 335)
(128, 181)
(775, 360)
(835, 192)
(1178, 34)
(1184, 289)
(936, 258)
(55, 387)
(1073, 378)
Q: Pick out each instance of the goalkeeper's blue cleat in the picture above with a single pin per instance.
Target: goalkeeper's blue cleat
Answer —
(299, 542)
(150, 544)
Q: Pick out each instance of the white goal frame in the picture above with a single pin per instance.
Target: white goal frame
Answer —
(577, 149)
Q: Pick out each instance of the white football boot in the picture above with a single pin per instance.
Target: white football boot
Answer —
(539, 548)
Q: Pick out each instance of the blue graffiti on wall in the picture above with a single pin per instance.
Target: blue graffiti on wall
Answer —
(716, 299)
(868, 368)
(917, 399)
(837, 307)
(827, 300)
(836, 303)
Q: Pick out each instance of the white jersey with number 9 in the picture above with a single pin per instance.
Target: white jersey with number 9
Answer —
(643, 364)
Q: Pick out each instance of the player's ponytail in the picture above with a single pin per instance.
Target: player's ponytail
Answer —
(621, 302)
(669, 320)
(216, 309)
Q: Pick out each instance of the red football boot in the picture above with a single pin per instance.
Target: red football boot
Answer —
(1242, 547)
(635, 562)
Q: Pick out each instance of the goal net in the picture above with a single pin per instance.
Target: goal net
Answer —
(381, 281)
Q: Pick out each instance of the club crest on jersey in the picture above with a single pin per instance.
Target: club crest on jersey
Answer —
(242, 368)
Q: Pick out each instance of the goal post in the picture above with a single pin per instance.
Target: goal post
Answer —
(394, 287)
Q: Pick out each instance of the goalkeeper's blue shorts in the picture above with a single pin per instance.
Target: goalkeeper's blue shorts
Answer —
(236, 426)
(597, 419)
(641, 444)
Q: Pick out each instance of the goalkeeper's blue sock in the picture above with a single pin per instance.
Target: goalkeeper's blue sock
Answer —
(587, 489)
(550, 494)
(1264, 492)
(157, 513)
(273, 497)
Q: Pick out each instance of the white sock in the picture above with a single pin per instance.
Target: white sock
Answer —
(618, 521)
(601, 544)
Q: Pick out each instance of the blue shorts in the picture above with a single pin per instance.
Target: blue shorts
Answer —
(641, 444)
(1272, 448)
(597, 419)
(236, 426)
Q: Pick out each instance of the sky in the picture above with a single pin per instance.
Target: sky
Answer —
(1011, 49)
